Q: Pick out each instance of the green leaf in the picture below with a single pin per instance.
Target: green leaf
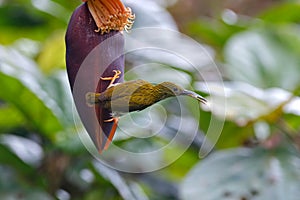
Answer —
(292, 121)
(10, 118)
(69, 141)
(229, 138)
(245, 103)
(213, 32)
(18, 15)
(265, 58)
(52, 55)
(57, 87)
(21, 86)
(288, 12)
(69, 5)
(245, 174)
(129, 191)
(10, 159)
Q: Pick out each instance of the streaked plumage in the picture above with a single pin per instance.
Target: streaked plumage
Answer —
(137, 95)
(131, 96)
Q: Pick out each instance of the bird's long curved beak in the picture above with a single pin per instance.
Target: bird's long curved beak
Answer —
(195, 96)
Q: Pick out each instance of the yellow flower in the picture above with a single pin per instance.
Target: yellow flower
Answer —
(110, 15)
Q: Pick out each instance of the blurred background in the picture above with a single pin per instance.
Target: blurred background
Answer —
(255, 45)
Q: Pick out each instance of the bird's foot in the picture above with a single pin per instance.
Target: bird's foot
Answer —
(113, 78)
(110, 120)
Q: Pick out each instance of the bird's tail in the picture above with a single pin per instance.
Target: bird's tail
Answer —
(92, 98)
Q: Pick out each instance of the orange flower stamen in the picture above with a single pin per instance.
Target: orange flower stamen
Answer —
(110, 15)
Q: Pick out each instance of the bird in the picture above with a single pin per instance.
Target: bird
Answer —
(136, 95)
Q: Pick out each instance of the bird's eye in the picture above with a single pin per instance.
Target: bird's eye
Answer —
(175, 89)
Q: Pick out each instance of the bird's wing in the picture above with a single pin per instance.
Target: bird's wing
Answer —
(137, 101)
(142, 97)
(121, 90)
(131, 96)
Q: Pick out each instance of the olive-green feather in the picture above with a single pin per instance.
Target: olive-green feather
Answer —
(136, 95)
(128, 96)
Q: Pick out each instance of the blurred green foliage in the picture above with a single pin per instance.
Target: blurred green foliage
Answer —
(42, 157)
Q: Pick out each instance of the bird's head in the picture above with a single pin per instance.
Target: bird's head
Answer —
(175, 90)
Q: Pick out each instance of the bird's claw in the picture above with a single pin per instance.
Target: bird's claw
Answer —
(113, 78)
(109, 120)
